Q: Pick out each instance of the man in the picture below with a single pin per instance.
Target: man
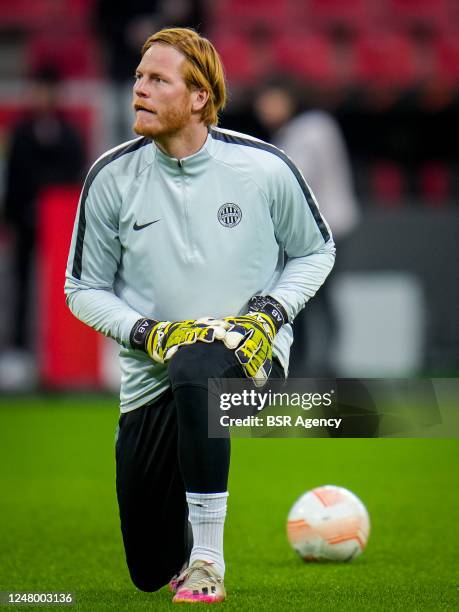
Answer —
(188, 221)
(314, 141)
(45, 149)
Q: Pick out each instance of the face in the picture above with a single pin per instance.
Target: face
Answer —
(162, 102)
(44, 95)
(274, 107)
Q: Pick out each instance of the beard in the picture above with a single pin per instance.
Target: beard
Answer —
(169, 122)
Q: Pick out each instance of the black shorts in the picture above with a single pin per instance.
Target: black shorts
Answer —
(150, 489)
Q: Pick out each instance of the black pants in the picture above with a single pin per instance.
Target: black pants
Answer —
(163, 450)
(23, 255)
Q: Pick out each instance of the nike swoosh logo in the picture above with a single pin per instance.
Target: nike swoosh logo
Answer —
(139, 227)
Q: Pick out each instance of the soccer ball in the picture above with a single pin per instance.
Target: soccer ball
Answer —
(328, 524)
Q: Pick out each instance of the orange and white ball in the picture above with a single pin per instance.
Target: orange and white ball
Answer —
(328, 523)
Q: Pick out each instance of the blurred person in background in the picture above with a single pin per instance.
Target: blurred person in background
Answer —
(44, 149)
(313, 139)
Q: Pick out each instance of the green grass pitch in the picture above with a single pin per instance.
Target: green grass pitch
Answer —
(60, 532)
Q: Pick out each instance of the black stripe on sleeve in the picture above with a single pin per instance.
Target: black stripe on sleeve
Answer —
(129, 148)
(264, 146)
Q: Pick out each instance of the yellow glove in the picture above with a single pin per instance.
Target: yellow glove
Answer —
(162, 339)
(251, 336)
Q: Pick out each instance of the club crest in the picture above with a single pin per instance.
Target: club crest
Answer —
(229, 214)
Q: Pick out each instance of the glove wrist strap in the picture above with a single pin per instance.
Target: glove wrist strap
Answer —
(271, 307)
(140, 333)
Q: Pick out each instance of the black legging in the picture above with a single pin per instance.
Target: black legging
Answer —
(162, 451)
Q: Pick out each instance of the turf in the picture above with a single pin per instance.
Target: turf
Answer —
(60, 532)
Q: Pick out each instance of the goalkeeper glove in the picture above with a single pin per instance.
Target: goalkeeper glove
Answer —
(162, 339)
(252, 336)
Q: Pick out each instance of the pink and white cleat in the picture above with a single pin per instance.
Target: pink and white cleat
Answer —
(200, 583)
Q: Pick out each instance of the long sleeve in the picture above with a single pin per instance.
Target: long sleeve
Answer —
(93, 262)
(305, 237)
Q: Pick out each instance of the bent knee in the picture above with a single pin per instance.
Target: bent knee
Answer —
(196, 363)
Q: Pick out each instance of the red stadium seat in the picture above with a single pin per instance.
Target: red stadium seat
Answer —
(237, 55)
(74, 54)
(309, 56)
(35, 14)
(385, 59)
(244, 14)
(447, 49)
(435, 183)
(430, 13)
(351, 14)
(387, 183)
(81, 10)
(23, 14)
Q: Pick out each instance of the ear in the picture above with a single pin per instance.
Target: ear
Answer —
(199, 99)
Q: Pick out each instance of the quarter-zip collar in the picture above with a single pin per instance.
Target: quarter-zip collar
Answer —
(193, 164)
